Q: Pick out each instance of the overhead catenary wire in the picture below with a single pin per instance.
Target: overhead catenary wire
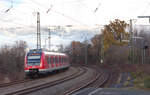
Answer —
(14, 18)
(64, 15)
(18, 11)
(96, 9)
(10, 7)
(49, 9)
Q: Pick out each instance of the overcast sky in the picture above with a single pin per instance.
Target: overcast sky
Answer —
(18, 17)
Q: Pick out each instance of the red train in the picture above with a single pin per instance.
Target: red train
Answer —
(38, 61)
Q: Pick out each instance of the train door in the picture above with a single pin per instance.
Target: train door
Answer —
(49, 61)
(56, 61)
(63, 61)
(52, 62)
(60, 61)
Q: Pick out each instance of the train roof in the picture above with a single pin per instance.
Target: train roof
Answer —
(54, 53)
(46, 52)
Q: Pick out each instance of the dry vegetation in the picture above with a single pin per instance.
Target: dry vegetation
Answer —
(141, 75)
(12, 61)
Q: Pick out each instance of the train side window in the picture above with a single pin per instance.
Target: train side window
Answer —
(57, 59)
(49, 59)
(65, 59)
(54, 60)
(61, 59)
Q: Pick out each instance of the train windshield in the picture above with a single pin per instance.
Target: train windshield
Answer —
(34, 59)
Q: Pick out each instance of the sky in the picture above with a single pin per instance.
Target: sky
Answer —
(18, 18)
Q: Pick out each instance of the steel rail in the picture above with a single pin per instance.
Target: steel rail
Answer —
(99, 81)
(48, 84)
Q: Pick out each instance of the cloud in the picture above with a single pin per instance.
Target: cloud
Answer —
(20, 21)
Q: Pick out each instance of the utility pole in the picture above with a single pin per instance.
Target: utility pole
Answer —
(142, 42)
(85, 50)
(38, 31)
(45, 45)
(102, 50)
(131, 42)
(49, 39)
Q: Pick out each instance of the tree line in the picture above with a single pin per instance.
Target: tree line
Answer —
(110, 46)
(12, 60)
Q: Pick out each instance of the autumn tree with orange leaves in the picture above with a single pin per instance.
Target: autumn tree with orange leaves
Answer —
(112, 37)
(114, 33)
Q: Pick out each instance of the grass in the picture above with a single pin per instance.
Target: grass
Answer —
(136, 74)
(141, 79)
(147, 82)
(127, 82)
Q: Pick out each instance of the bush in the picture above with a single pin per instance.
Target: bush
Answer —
(147, 82)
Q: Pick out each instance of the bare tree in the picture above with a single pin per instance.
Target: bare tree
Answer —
(12, 60)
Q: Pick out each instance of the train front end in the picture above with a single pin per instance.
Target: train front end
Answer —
(33, 62)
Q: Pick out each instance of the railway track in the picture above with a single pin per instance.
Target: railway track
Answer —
(21, 81)
(80, 72)
(14, 82)
(98, 81)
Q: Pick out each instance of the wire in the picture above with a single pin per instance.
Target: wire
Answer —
(10, 7)
(70, 18)
(59, 13)
(97, 8)
(49, 9)
(15, 17)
